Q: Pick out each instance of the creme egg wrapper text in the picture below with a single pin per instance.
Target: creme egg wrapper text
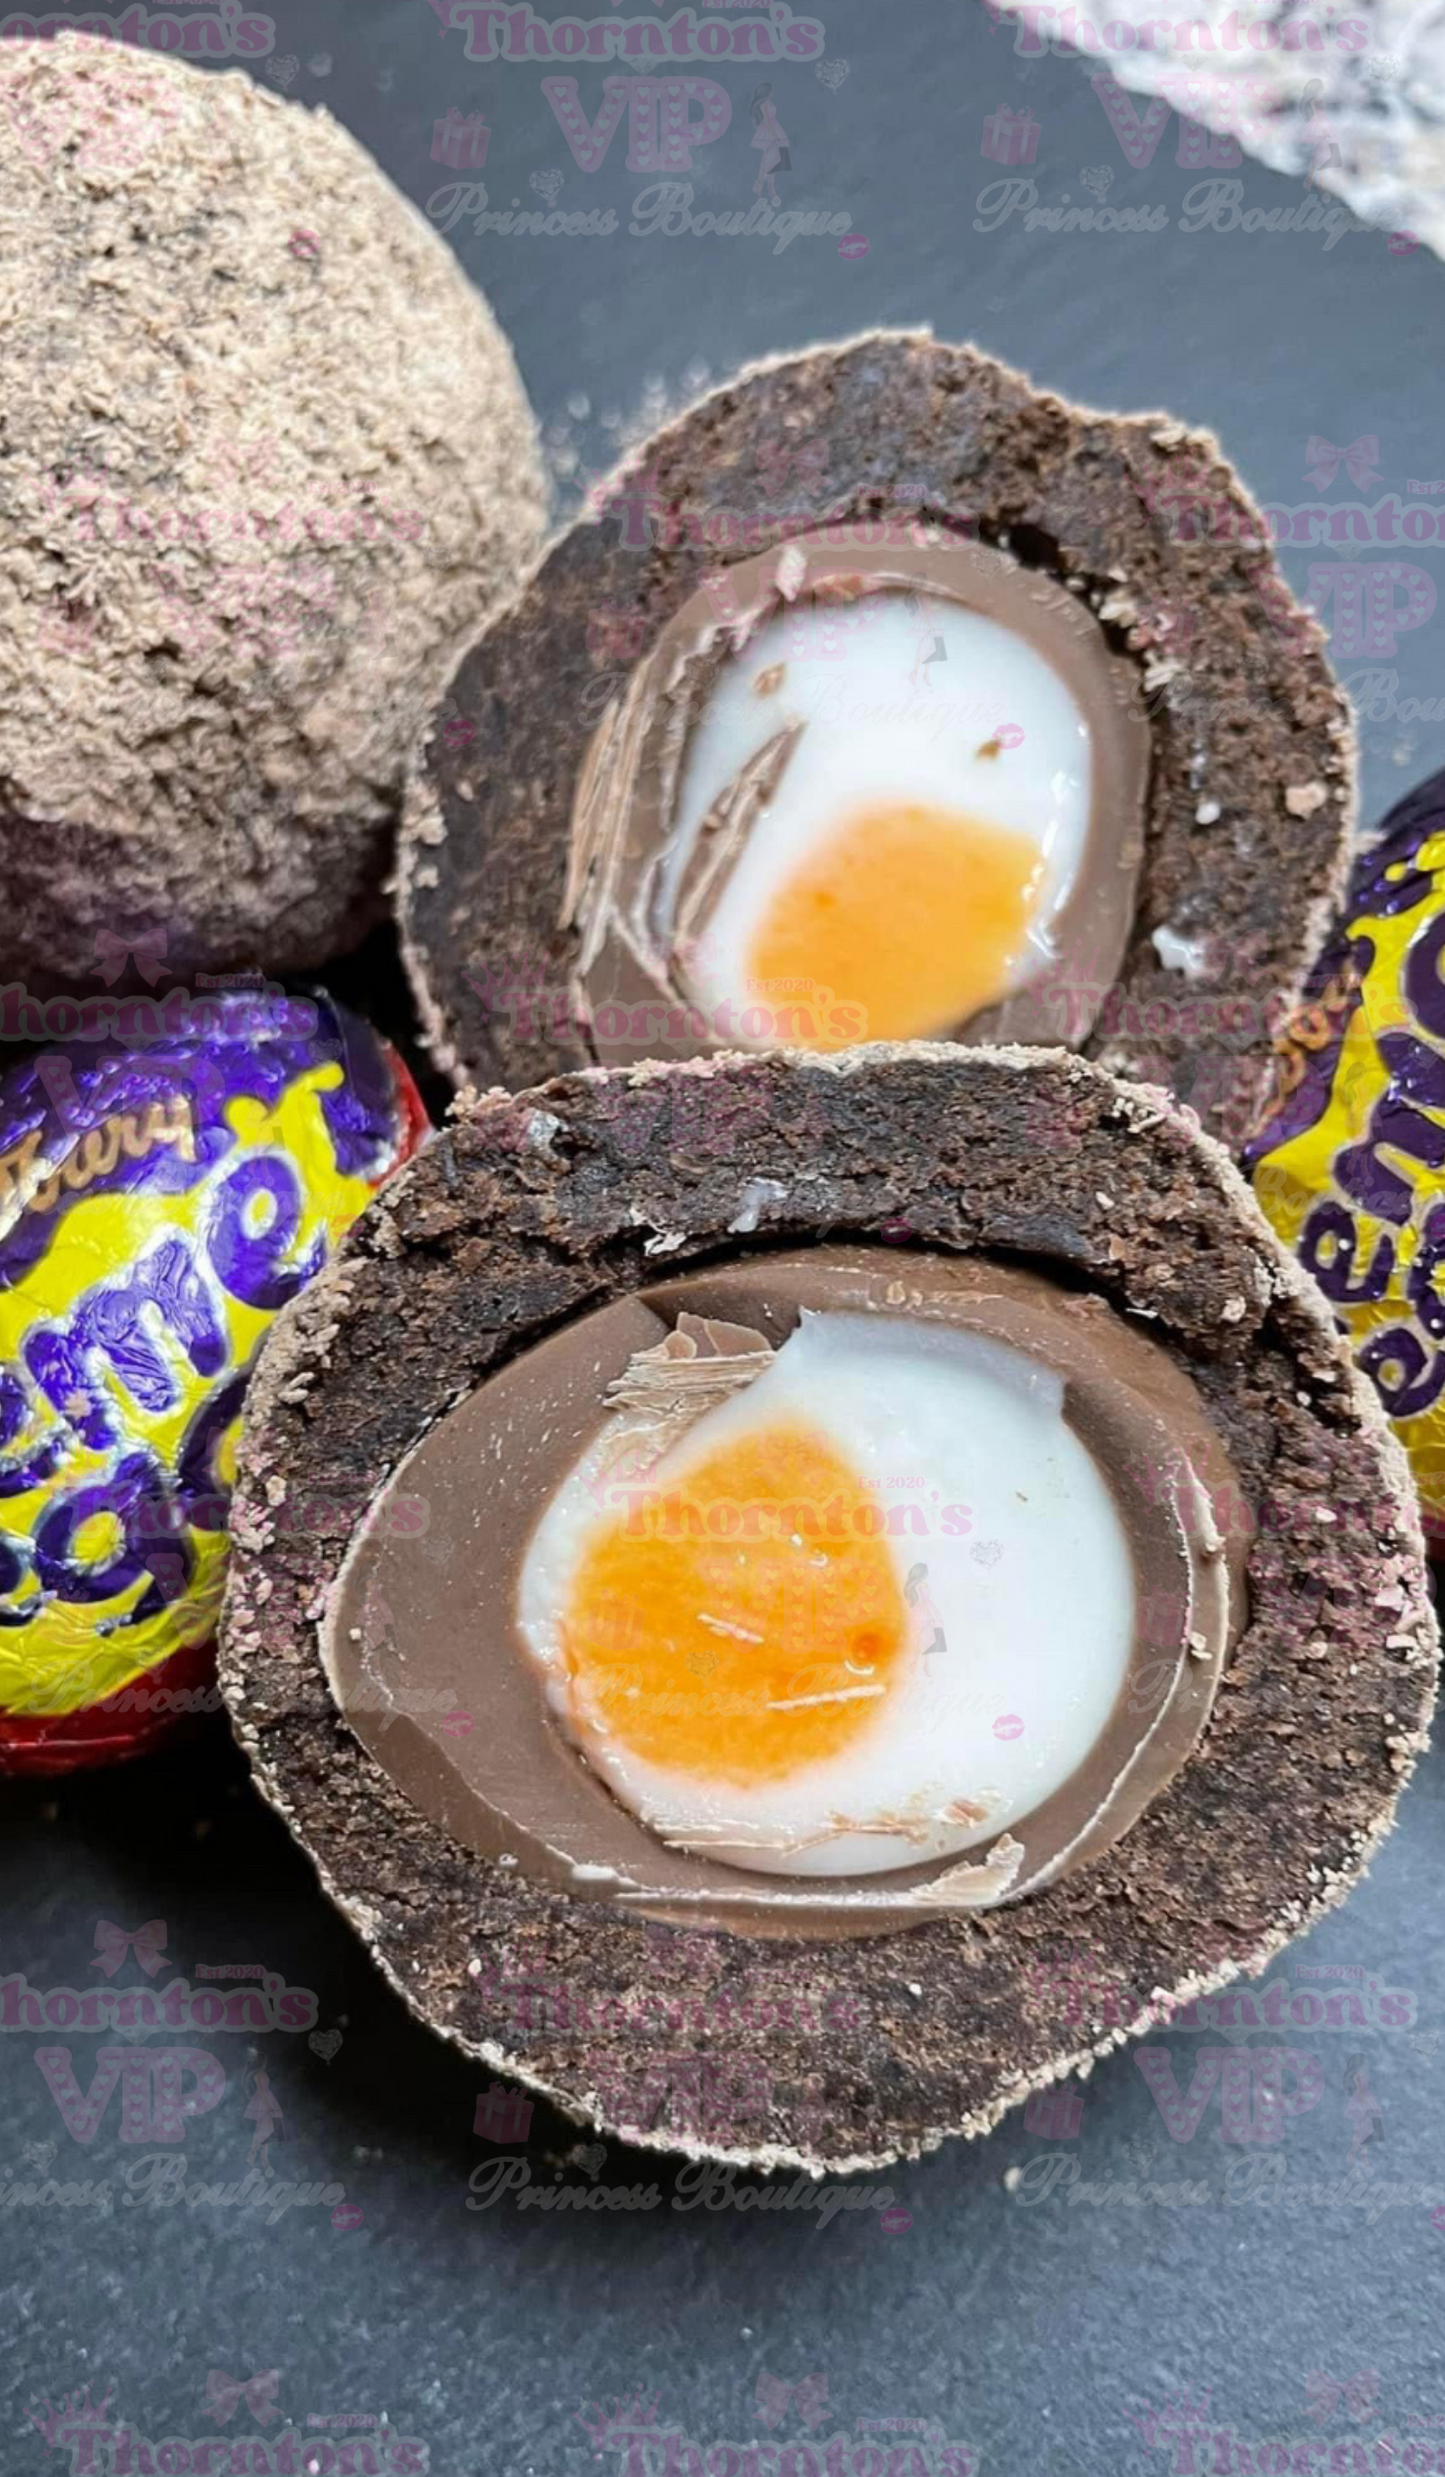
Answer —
(785, 1641)
(924, 837)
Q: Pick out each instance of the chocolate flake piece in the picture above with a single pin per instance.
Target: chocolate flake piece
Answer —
(725, 830)
(670, 1385)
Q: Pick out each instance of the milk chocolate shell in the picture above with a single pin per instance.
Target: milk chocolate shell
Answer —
(268, 463)
(532, 1213)
(892, 452)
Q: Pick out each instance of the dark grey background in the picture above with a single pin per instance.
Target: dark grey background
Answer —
(1033, 2331)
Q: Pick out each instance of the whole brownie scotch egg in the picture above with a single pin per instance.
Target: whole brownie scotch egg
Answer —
(885, 1519)
(245, 523)
(881, 697)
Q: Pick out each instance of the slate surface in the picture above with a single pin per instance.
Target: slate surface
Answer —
(1046, 2327)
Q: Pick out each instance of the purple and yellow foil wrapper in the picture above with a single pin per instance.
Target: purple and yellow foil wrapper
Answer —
(161, 1198)
(1349, 1166)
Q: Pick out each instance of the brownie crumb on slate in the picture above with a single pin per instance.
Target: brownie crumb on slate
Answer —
(267, 464)
(1251, 798)
(530, 1210)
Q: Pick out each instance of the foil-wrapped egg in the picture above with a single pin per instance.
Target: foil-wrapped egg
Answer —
(172, 1171)
(1349, 1163)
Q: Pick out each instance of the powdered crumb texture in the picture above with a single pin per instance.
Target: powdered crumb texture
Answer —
(267, 461)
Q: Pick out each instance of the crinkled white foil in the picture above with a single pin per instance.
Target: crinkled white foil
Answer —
(1369, 124)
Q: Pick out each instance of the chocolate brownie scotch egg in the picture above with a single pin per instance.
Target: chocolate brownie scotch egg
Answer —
(879, 1567)
(881, 697)
(267, 464)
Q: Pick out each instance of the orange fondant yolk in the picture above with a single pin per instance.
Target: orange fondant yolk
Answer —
(910, 915)
(742, 1619)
